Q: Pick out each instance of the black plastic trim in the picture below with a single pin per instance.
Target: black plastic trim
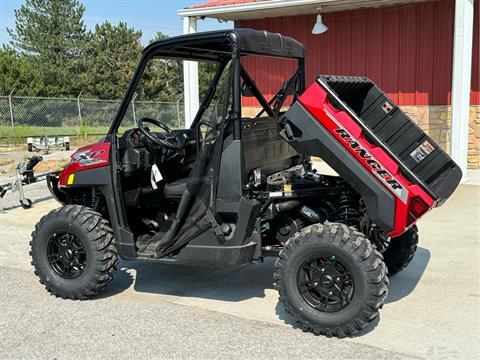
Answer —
(312, 139)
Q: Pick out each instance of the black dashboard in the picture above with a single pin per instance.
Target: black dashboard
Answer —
(138, 154)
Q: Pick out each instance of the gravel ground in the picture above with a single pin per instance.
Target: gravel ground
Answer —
(157, 311)
(134, 326)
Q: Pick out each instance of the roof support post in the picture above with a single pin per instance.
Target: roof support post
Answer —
(461, 80)
(190, 76)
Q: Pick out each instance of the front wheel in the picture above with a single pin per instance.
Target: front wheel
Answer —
(73, 252)
(331, 279)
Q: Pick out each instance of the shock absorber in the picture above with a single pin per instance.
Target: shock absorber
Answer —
(98, 202)
(346, 209)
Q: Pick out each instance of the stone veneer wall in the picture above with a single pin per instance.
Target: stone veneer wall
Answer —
(436, 121)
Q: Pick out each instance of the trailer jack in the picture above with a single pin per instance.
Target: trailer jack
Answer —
(24, 175)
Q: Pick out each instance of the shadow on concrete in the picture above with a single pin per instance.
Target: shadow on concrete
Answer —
(403, 283)
(122, 280)
(234, 284)
(238, 284)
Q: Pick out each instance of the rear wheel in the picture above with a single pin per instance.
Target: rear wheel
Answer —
(401, 250)
(331, 279)
(73, 252)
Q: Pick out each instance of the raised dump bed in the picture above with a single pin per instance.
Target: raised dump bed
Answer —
(399, 171)
(418, 155)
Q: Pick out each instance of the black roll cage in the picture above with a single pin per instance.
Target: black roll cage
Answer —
(221, 47)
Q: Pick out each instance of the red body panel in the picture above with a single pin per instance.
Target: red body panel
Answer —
(347, 131)
(85, 158)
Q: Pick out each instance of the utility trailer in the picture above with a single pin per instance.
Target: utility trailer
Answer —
(46, 143)
(232, 189)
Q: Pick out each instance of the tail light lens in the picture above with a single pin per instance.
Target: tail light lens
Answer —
(417, 208)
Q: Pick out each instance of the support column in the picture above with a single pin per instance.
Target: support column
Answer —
(461, 81)
(190, 77)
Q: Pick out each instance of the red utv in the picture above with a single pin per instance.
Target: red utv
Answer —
(231, 190)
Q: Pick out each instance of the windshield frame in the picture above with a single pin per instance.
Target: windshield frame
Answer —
(137, 76)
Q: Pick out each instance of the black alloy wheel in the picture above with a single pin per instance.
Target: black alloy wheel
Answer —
(330, 279)
(325, 283)
(73, 252)
(66, 255)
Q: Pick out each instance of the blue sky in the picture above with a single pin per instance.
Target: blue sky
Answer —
(149, 16)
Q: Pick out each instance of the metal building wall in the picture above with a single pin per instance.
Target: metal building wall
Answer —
(406, 50)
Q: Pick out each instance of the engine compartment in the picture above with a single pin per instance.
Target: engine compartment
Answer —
(300, 196)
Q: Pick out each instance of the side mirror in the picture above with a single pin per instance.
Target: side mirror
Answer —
(246, 92)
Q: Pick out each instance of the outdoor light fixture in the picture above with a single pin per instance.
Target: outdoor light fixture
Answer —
(319, 26)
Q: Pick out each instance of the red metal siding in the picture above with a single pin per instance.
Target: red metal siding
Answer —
(406, 50)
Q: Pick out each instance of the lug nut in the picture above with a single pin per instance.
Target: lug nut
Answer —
(323, 269)
(338, 279)
(315, 283)
(330, 292)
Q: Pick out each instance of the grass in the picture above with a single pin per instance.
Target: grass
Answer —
(34, 131)
(4, 162)
(9, 166)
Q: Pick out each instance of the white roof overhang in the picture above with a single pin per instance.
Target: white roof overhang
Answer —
(277, 8)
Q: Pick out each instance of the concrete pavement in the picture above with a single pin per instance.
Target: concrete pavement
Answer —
(432, 311)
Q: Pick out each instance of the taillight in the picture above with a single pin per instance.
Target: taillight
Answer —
(417, 208)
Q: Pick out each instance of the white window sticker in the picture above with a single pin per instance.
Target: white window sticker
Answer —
(155, 176)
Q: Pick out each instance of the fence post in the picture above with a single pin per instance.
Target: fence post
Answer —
(133, 109)
(11, 116)
(179, 125)
(79, 109)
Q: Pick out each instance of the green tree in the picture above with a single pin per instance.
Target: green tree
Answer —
(53, 32)
(111, 54)
(20, 74)
(162, 79)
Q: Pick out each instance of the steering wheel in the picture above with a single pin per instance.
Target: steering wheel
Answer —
(167, 140)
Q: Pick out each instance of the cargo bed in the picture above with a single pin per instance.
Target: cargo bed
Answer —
(375, 146)
(419, 157)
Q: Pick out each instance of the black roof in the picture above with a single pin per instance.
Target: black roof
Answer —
(214, 45)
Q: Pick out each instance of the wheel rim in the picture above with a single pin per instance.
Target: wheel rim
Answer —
(67, 255)
(325, 283)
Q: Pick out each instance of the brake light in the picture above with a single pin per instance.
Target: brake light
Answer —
(416, 209)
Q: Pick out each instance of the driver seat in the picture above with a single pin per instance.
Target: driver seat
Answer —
(174, 190)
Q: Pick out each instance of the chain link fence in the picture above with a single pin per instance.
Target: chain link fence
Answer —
(22, 117)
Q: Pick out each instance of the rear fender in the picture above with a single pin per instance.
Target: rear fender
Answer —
(312, 139)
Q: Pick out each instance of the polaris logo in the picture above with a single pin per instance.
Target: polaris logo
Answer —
(374, 165)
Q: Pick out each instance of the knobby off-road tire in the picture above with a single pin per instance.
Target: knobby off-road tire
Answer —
(89, 236)
(350, 249)
(401, 251)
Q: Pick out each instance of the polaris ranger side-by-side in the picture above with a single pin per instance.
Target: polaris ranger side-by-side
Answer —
(232, 190)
